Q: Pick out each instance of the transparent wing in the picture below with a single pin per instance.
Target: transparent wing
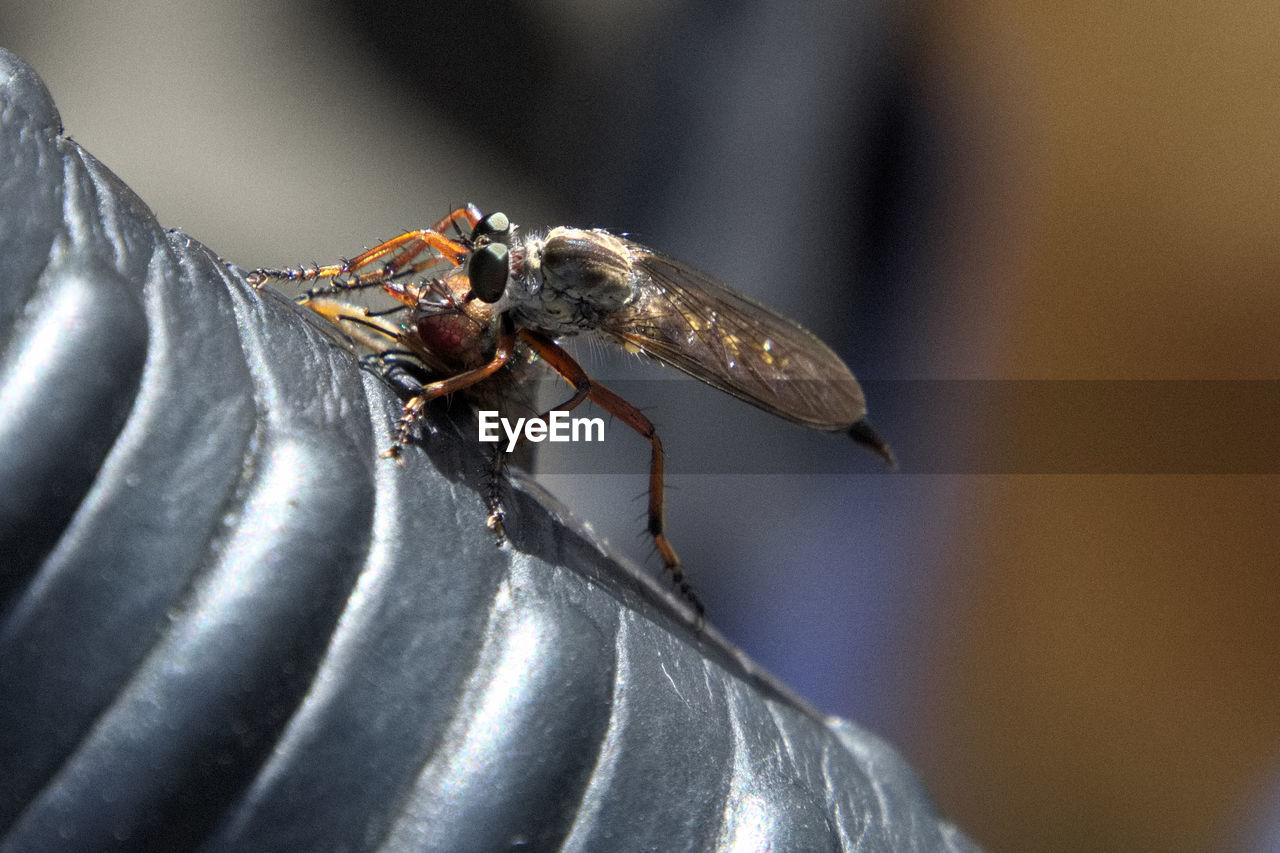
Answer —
(694, 323)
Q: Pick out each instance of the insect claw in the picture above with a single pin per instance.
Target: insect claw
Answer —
(494, 523)
(393, 452)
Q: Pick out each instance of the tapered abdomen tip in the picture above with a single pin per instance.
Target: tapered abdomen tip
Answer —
(864, 434)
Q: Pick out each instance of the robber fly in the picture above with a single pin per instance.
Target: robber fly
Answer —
(484, 303)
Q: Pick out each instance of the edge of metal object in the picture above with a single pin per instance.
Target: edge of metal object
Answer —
(226, 623)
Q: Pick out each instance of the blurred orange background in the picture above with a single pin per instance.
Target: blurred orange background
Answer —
(1116, 671)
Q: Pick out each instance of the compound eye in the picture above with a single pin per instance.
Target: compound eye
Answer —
(495, 227)
(487, 269)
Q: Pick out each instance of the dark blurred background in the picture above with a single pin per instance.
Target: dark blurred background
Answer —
(990, 191)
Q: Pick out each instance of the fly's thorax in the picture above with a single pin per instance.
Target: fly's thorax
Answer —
(572, 278)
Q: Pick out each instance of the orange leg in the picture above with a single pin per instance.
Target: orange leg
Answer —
(356, 321)
(414, 406)
(405, 250)
(586, 388)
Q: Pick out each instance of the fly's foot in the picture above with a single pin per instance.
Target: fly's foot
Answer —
(687, 593)
(261, 275)
(395, 452)
(404, 427)
(495, 523)
(672, 564)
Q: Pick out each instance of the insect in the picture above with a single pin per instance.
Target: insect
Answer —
(481, 304)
